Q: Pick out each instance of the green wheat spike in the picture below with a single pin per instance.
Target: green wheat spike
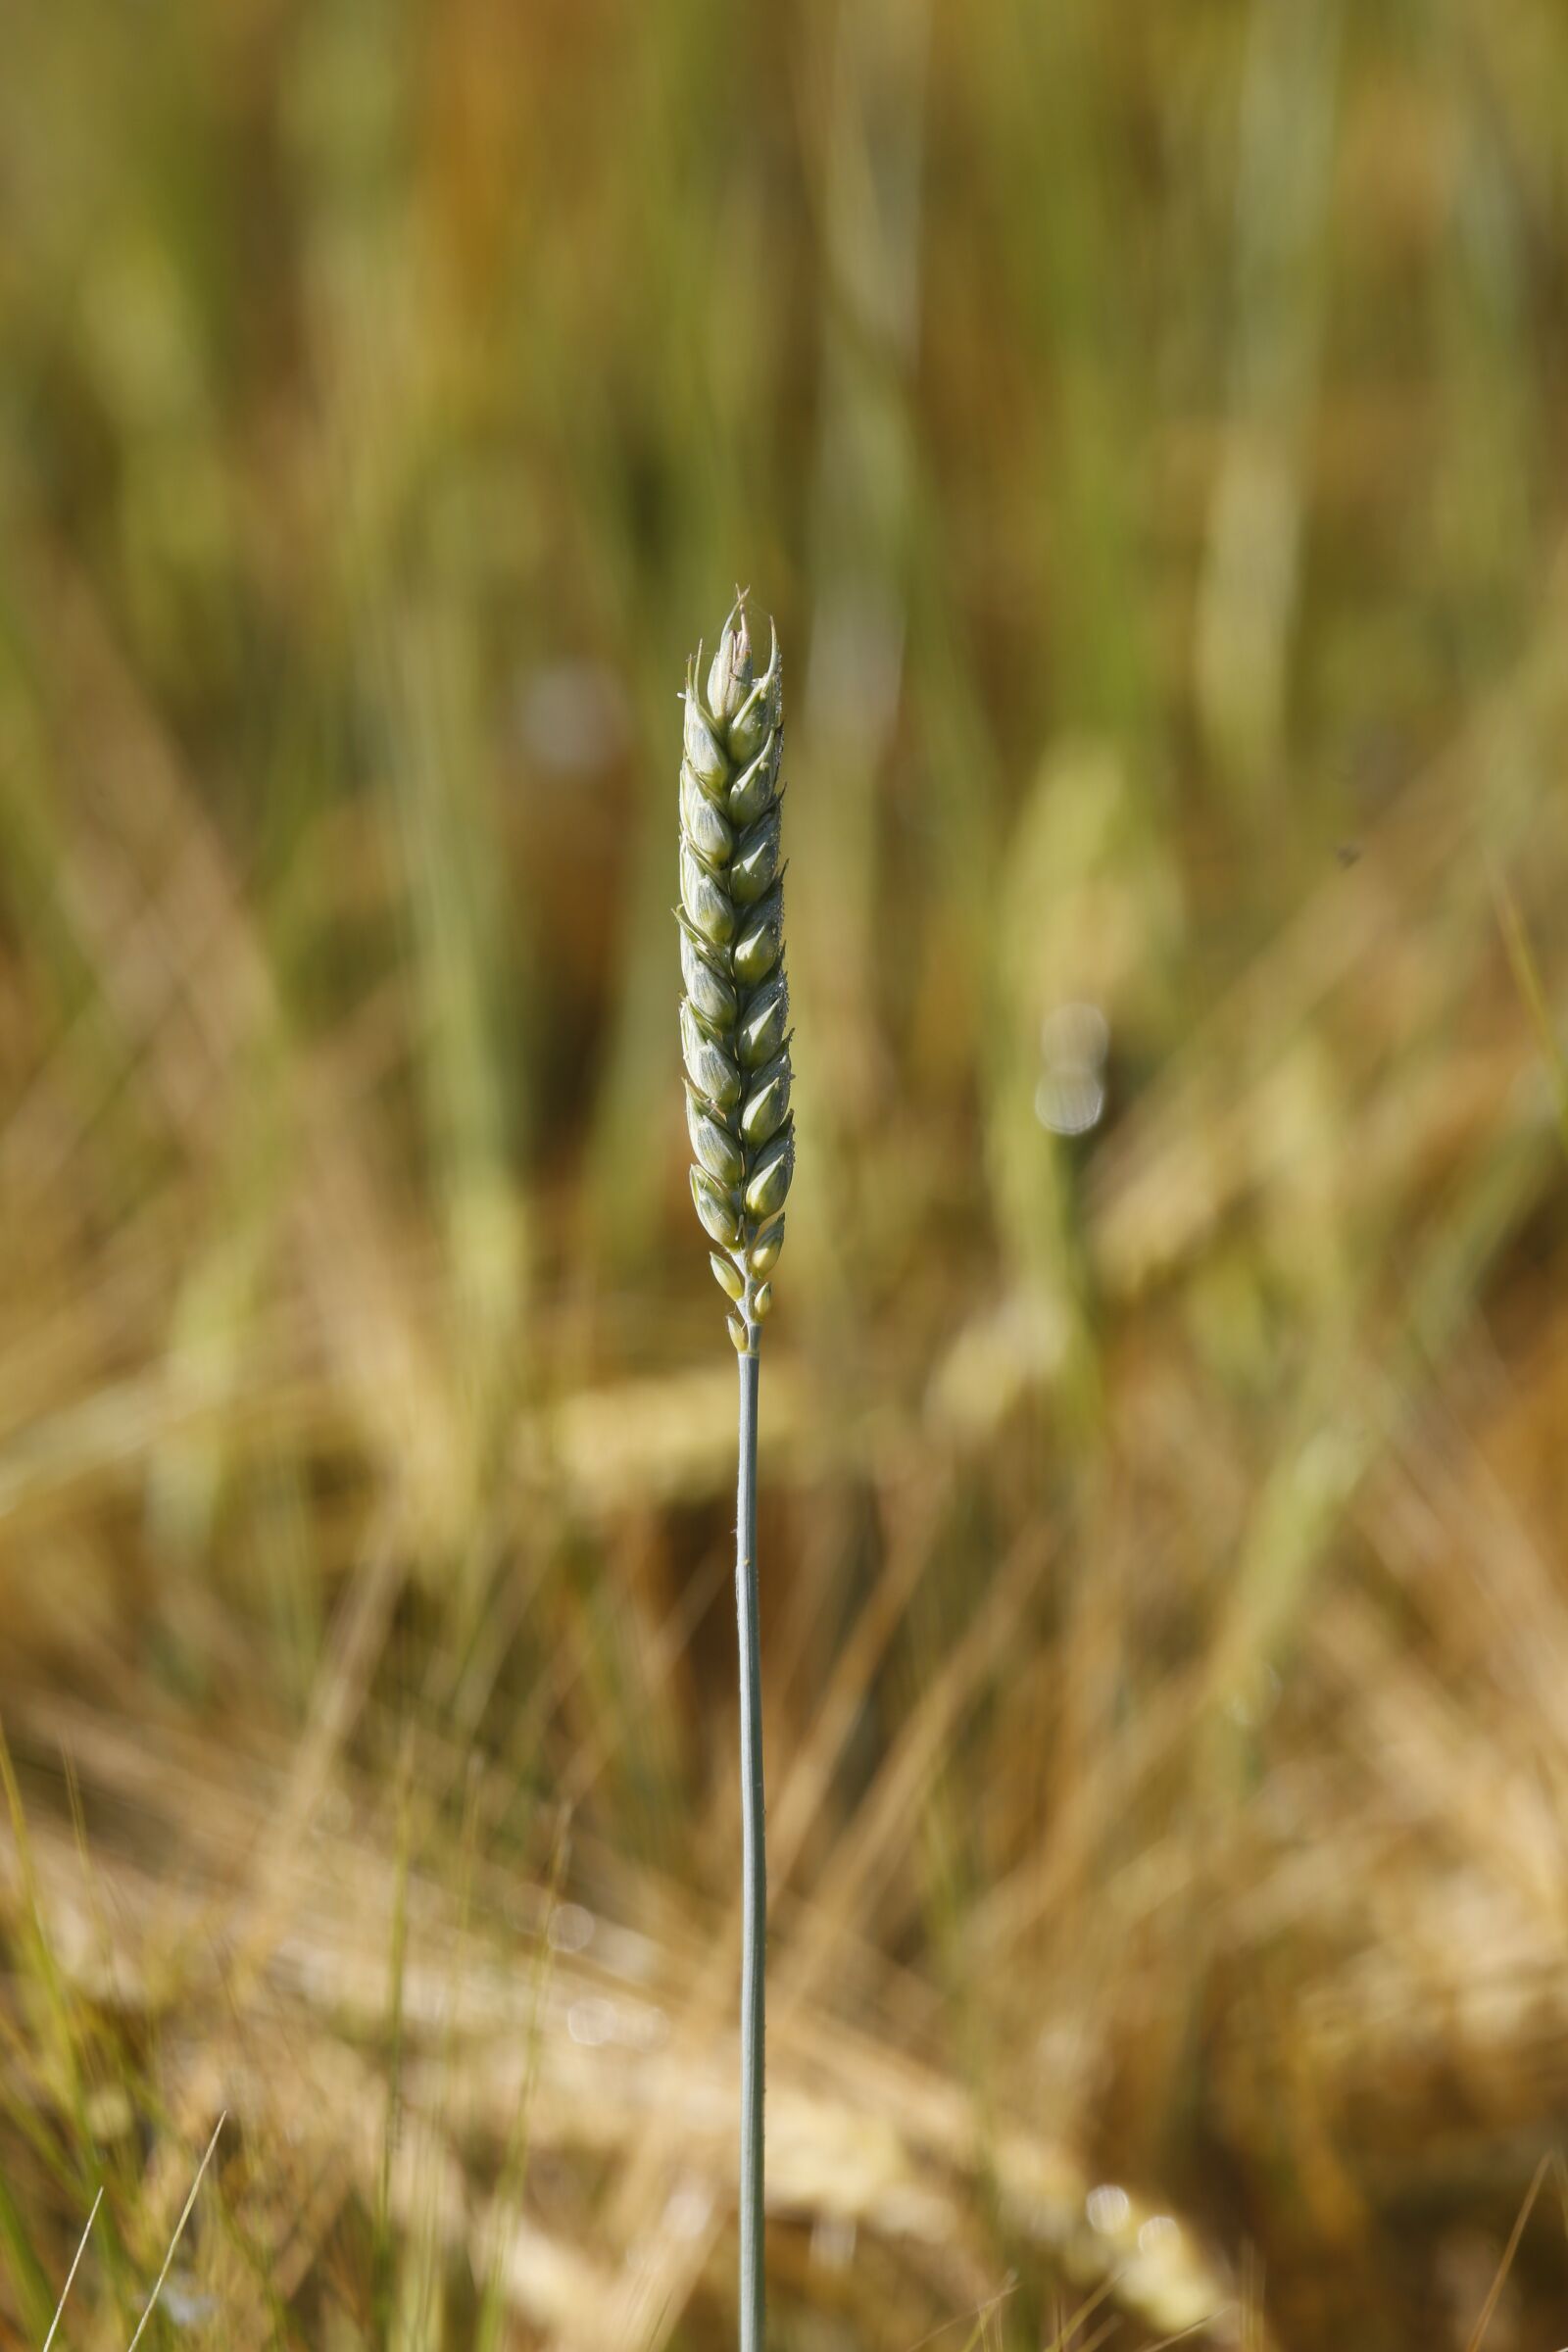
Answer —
(734, 1015)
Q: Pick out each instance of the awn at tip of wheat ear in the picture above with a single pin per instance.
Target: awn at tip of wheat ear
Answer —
(735, 1043)
(734, 1014)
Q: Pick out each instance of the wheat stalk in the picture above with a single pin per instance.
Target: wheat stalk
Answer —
(734, 1032)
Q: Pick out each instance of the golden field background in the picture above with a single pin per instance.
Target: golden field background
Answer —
(1148, 426)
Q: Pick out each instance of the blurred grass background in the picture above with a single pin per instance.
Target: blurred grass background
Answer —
(1147, 425)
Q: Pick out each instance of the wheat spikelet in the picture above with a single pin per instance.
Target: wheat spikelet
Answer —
(734, 1014)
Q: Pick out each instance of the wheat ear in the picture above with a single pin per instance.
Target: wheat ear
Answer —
(735, 1044)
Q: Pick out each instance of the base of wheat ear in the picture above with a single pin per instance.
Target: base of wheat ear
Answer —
(734, 1015)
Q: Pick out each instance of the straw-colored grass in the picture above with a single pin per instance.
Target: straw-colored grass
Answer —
(1146, 423)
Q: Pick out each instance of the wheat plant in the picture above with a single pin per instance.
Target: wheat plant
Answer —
(735, 1044)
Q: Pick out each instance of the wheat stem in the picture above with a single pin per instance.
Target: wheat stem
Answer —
(754, 1861)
